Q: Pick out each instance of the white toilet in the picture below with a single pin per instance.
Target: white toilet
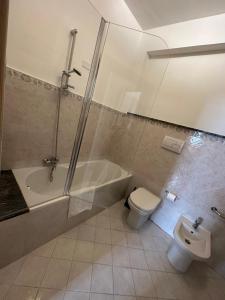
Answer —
(142, 204)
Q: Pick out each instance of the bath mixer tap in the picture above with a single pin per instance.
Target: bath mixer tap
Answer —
(197, 222)
(65, 78)
(50, 162)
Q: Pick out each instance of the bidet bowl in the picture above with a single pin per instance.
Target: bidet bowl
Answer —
(197, 242)
(189, 244)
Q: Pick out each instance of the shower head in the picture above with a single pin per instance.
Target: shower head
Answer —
(73, 31)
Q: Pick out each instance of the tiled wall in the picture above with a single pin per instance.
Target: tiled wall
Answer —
(29, 123)
(197, 175)
(29, 120)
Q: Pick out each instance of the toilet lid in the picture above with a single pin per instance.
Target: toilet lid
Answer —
(144, 199)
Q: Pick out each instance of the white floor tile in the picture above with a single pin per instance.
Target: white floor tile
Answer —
(46, 250)
(3, 290)
(201, 269)
(154, 261)
(91, 221)
(123, 281)
(150, 229)
(83, 268)
(116, 224)
(64, 248)
(149, 243)
(117, 210)
(164, 285)
(102, 222)
(57, 274)
(21, 293)
(80, 277)
(199, 288)
(102, 279)
(134, 241)
(86, 233)
(137, 259)
(76, 296)
(120, 256)
(71, 234)
(166, 264)
(104, 212)
(161, 244)
(118, 297)
(102, 254)
(144, 298)
(126, 227)
(103, 236)
(9, 273)
(32, 271)
(49, 294)
(143, 283)
(101, 297)
(84, 251)
(216, 289)
(118, 238)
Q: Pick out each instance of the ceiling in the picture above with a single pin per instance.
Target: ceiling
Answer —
(155, 13)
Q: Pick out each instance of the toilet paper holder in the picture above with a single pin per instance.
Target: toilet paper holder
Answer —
(170, 196)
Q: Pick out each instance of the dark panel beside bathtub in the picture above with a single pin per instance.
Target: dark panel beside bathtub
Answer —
(12, 202)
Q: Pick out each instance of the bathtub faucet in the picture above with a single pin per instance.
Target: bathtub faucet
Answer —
(50, 162)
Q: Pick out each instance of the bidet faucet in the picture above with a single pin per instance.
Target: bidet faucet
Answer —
(197, 222)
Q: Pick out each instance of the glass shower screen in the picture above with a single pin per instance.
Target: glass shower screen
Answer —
(126, 86)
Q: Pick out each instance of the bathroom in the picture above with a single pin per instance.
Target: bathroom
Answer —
(112, 150)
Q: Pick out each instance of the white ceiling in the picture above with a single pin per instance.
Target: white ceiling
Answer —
(155, 13)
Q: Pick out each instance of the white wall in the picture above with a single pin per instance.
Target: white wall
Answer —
(195, 32)
(192, 92)
(38, 37)
(116, 11)
(38, 40)
(127, 80)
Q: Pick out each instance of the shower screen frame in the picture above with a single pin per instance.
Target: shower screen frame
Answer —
(89, 91)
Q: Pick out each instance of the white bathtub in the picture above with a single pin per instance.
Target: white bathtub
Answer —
(102, 180)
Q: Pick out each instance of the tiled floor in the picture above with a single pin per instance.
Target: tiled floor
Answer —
(103, 259)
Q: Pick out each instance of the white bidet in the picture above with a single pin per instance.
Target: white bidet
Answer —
(189, 244)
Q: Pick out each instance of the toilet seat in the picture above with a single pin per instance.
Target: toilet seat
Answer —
(141, 212)
(143, 200)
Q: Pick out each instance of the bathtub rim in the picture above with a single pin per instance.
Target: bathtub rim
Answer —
(21, 175)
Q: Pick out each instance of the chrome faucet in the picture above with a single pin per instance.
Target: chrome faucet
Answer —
(50, 162)
(65, 78)
(197, 222)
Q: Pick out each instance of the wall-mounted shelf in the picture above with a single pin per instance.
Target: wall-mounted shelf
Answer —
(187, 51)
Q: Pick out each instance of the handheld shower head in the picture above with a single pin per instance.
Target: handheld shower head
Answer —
(75, 71)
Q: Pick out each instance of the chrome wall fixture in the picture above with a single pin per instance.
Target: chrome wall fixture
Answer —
(218, 212)
(86, 103)
(52, 161)
(67, 73)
